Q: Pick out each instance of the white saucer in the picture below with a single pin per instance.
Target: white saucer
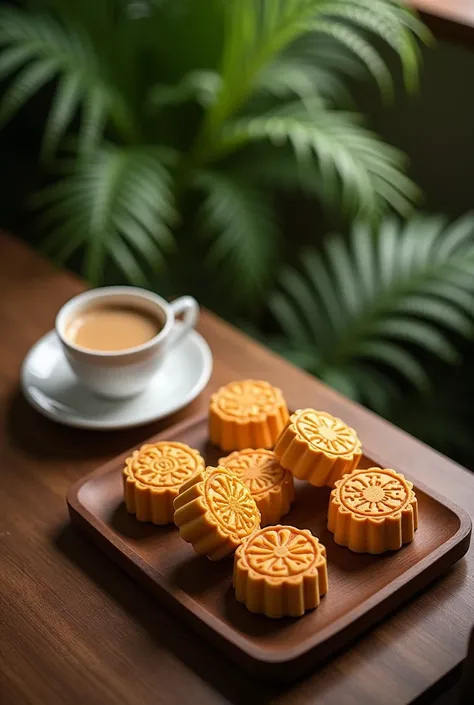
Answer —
(51, 387)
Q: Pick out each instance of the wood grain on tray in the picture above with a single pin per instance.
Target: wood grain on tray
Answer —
(362, 588)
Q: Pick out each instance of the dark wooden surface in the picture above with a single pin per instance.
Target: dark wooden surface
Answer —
(74, 629)
(362, 588)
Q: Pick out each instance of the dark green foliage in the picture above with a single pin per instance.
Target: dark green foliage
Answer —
(160, 104)
(378, 314)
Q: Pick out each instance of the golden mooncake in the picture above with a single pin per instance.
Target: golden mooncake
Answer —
(152, 477)
(318, 447)
(214, 512)
(372, 511)
(270, 485)
(247, 414)
(280, 571)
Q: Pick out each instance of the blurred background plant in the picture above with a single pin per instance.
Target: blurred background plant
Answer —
(382, 315)
(173, 127)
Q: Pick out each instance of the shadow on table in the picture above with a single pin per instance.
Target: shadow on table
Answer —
(166, 631)
(39, 437)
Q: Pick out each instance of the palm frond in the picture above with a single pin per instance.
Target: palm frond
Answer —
(117, 204)
(361, 48)
(443, 417)
(266, 167)
(239, 223)
(389, 21)
(37, 48)
(202, 86)
(256, 33)
(332, 56)
(352, 161)
(291, 76)
(114, 67)
(260, 31)
(381, 302)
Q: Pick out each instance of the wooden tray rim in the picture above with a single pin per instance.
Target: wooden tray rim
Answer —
(214, 623)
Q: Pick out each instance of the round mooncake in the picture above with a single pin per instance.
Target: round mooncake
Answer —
(152, 477)
(318, 447)
(215, 512)
(280, 571)
(270, 485)
(247, 414)
(372, 511)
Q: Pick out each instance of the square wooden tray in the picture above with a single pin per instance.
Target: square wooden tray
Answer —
(362, 588)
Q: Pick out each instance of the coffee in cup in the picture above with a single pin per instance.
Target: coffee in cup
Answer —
(113, 327)
(115, 338)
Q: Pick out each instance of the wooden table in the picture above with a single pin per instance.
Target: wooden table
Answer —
(74, 629)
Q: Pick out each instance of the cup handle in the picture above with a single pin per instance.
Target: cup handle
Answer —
(189, 309)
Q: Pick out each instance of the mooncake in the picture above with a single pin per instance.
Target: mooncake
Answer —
(247, 414)
(270, 485)
(372, 511)
(152, 477)
(318, 447)
(280, 571)
(214, 512)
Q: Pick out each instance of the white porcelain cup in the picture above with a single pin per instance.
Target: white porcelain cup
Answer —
(124, 373)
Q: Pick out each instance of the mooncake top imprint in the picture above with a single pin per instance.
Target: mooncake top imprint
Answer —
(375, 493)
(326, 432)
(230, 503)
(257, 468)
(163, 464)
(280, 571)
(373, 511)
(215, 512)
(318, 447)
(270, 485)
(282, 552)
(246, 399)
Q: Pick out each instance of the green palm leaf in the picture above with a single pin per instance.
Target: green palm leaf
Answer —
(117, 204)
(198, 118)
(38, 48)
(278, 169)
(365, 306)
(259, 31)
(389, 21)
(351, 160)
(202, 86)
(237, 220)
(294, 76)
(67, 97)
(362, 49)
